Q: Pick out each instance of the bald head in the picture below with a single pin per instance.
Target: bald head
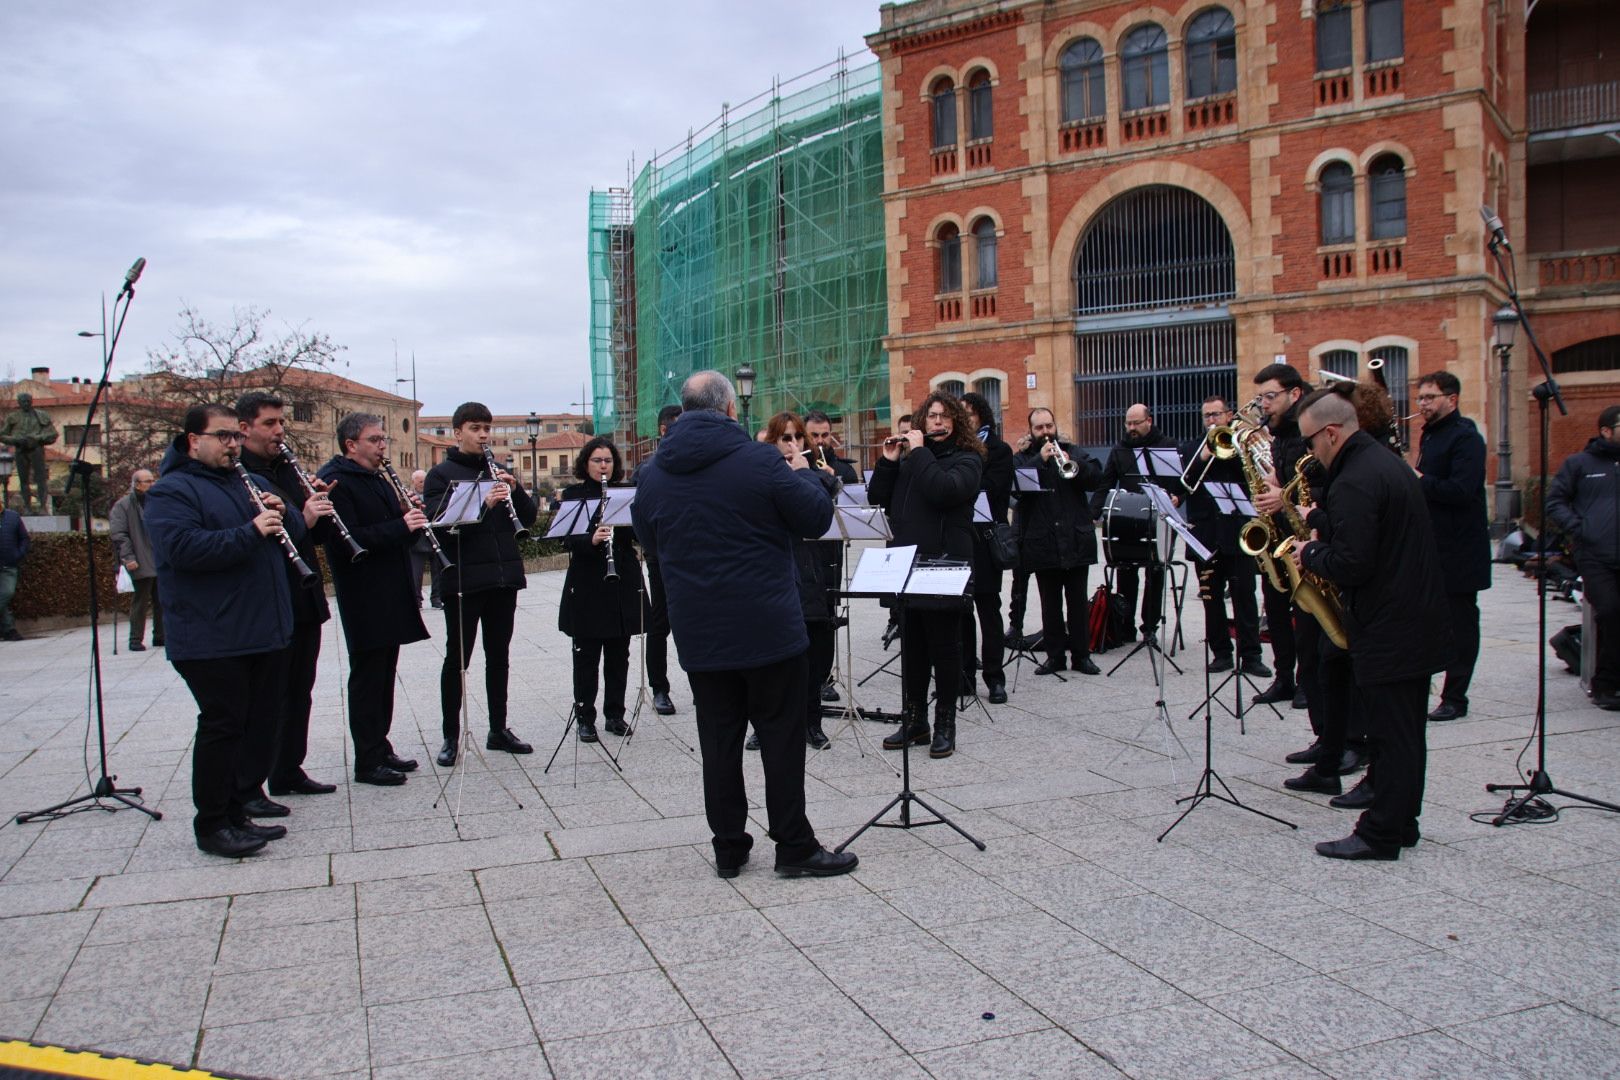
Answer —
(708, 390)
(1138, 421)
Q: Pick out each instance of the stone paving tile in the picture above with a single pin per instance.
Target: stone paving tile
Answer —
(1429, 1055)
(1553, 1040)
(327, 987)
(292, 907)
(829, 1036)
(706, 937)
(398, 895)
(651, 1053)
(1188, 1041)
(1036, 1055)
(1441, 989)
(274, 947)
(432, 970)
(1316, 1015)
(578, 955)
(750, 983)
(526, 1062)
(418, 1030)
(312, 1045)
(604, 1003)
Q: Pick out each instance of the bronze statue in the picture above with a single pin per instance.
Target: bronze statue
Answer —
(29, 431)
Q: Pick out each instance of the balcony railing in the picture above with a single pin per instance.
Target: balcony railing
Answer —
(1579, 271)
(1575, 106)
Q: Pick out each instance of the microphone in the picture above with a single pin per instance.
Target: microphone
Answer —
(132, 277)
(1493, 225)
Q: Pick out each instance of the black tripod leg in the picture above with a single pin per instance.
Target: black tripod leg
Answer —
(873, 821)
(943, 820)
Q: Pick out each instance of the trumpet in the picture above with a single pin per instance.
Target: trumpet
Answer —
(1065, 464)
(409, 499)
(356, 552)
(306, 576)
(511, 504)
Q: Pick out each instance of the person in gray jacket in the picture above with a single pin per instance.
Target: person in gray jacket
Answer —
(127, 527)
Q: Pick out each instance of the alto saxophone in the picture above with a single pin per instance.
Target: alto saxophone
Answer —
(1315, 596)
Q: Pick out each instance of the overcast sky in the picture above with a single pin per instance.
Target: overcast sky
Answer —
(402, 172)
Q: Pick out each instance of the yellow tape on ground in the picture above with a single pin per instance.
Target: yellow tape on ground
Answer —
(21, 1059)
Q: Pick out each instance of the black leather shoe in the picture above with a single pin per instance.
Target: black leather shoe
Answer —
(729, 869)
(616, 726)
(1308, 756)
(662, 705)
(505, 740)
(1354, 760)
(400, 764)
(264, 832)
(157, 643)
(585, 731)
(752, 742)
(829, 692)
(302, 786)
(1357, 798)
(1447, 711)
(230, 842)
(823, 863)
(1052, 667)
(1220, 663)
(1606, 699)
(447, 753)
(1277, 691)
(917, 734)
(1311, 780)
(136, 646)
(381, 775)
(1085, 666)
(1256, 667)
(264, 808)
(1410, 836)
(998, 692)
(1354, 847)
(1299, 701)
(815, 738)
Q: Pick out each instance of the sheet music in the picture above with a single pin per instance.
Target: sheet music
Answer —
(883, 570)
(852, 495)
(1027, 479)
(981, 509)
(1158, 461)
(464, 503)
(938, 580)
(858, 523)
(1230, 498)
(1162, 503)
(618, 507)
(571, 519)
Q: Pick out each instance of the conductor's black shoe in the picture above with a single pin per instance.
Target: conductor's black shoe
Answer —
(586, 732)
(662, 705)
(447, 753)
(1354, 760)
(230, 842)
(1277, 691)
(1609, 700)
(730, 868)
(1357, 798)
(1447, 711)
(1085, 666)
(400, 764)
(1052, 666)
(998, 692)
(616, 726)
(1311, 780)
(1256, 667)
(1354, 847)
(1300, 701)
(1220, 663)
(264, 808)
(136, 646)
(815, 738)
(302, 786)
(823, 863)
(381, 775)
(1410, 836)
(1308, 756)
(265, 832)
(505, 740)
(829, 692)
(753, 741)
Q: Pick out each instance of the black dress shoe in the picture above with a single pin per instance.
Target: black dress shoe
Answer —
(1308, 756)
(136, 646)
(662, 705)
(505, 740)
(729, 868)
(1299, 701)
(1277, 691)
(230, 842)
(1354, 760)
(302, 786)
(1357, 798)
(1256, 667)
(753, 741)
(381, 775)
(1354, 847)
(1220, 663)
(157, 643)
(1311, 780)
(1606, 699)
(998, 692)
(264, 832)
(823, 863)
(447, 753)
(1085, 666)
(829, 692)
(264, 808)
(1447, 711)
(616, 726)
(585, 731)
(815, 738)
(1052, 667)
(916, 734)
(1410, 836)
(400, 764)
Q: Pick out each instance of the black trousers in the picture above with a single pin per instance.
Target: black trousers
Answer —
(1280, 625)
(991, 635)
(613, 657)
(1018, 600)
(931, 643)
(497, 610)
(1065, 590)
(371, 704)
(1397, 722)
(1308, 640)
(235, 704)
(1464, 608)
(772, 697)
(657, 632)
(1601, 587)
(819, 664)
(297, 699)
(1152, 595)
(1340, 700)
(1234, 573)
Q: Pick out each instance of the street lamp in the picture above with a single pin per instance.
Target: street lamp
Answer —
(416, 415)
(1504, 324)
(745, 391)
(533, 424)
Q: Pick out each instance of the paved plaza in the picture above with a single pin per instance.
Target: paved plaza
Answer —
(571, 924)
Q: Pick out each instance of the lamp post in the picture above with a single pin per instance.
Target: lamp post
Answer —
(533, 424)
(745, 393)
(416, 415)
(1504, 324)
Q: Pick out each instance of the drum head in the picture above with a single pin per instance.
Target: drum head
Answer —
(1130, 529)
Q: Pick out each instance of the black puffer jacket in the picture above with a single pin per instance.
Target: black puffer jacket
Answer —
(1452, 461)
(486, 554)
(592, 606)
(378, 603)
(1584, 501)
(929, 496)
(1055, 527)
(308, 602)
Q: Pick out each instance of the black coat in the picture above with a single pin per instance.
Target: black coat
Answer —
(928, 495)
(308, 602)
(1121, 471)
(820, 564)
(592, 606)
(486, 554)
(1055, 528)
(996, 483)
(1451, 458)
(1381, 554)
(1217, 531)
(378, 602)
(1584, 501)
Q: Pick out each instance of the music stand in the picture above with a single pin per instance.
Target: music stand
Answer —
(1162, 527)
(1233, 500)
(575, 517)
(1027, 481)
(850, 522)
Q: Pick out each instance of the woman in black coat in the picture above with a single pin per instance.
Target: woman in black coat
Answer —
(928, 492)
(600, 615)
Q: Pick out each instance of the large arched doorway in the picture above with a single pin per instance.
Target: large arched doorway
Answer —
(1152, 275)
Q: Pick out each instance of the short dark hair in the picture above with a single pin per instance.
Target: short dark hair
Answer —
(1030, 419)
(1443, 381)
(252, 403)
(1287, 376)
(981, 408)
(350, 427)
(1609, 417)
(197, 417)
(580, 463)
(816, 416)
(903, 418)
(471, 411)
(1227, 405)
(668, 415)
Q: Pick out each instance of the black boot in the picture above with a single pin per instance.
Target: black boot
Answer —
(913, 729)
(944, 744)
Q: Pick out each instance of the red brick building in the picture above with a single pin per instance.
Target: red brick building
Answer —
(1096, 202)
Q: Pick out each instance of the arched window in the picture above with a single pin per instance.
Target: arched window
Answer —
(1338, 185)
(1386, 193)
(950, 259)
(1145, 68)
(943, 97)
(953, 387)
(984, 254)
(1385, 39)
(1396, 375)
(1598, 354)
(989, 388)
(981, 124)
(1332, 35)
(1340, 362)
(1211, 54)
(1084, 93)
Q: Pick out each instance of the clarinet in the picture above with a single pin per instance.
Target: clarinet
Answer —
(612, 571)
(409, 499)
(511, 505)
(287, 455)
(305, 574)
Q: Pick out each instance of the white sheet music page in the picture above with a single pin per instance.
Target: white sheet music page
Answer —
(938, 580)
(883, 570)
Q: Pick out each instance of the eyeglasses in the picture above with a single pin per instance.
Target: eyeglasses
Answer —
(1272, 395)
(1431, 397)
(1312, 436)
(791, 437)
(1216, 415)
(226, 436)
(601, 461)
(377, 439)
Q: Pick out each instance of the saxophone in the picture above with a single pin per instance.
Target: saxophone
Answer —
(1315, 596)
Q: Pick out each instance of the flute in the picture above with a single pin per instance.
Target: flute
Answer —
(511, 505)
(409, 499)
(305, 574)
(356, 552)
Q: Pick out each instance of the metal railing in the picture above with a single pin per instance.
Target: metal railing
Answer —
(1575, 106)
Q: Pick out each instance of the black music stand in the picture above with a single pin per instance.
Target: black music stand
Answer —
(574, 518)
(1232, 500)
(853, 520)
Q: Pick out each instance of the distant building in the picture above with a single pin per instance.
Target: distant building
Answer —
(561, 436)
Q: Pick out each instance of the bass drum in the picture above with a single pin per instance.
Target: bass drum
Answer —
(1133, 534)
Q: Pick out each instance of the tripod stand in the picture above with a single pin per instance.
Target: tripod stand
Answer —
(105, 786)
(1157, 660)
(641, 692)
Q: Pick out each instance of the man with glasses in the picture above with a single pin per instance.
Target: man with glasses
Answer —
(1057, 543)
(1371, 537)
(380, 607)
(1123, 471)
(1451, 467)
(1280, 388)
(222, 581)
(1584, 501)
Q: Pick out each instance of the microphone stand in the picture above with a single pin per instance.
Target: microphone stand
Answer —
(105, 785)
(1540, 782)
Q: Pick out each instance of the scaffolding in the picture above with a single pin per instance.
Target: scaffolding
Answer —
(761, 240)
